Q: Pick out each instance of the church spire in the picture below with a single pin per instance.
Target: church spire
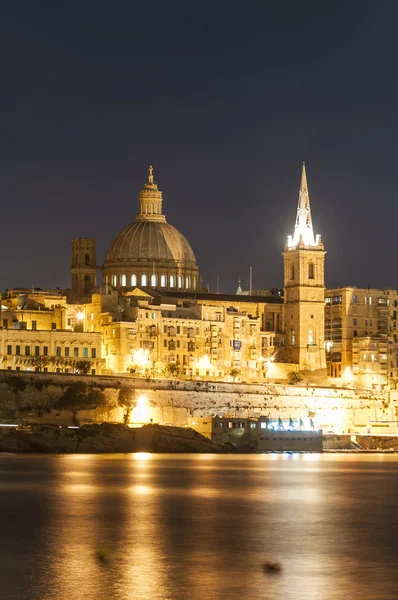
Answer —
(303, 230)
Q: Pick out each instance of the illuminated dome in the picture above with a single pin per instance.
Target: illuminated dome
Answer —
(150, 253)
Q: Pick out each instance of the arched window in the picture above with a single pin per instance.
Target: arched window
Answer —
(133, 280)
(310, 270)
(153, 280)
(293, 337)
(187, 282)
(143, 280)
(311, 337)
(292, 271)
(123, 280)
(114, 280)
(87, 283)
(163, 281)
(172, 281)
(87, 259)
(180, 281)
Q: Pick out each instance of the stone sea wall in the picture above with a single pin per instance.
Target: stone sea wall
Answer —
(37, 397)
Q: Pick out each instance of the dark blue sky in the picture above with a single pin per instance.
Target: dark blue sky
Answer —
(225, 99)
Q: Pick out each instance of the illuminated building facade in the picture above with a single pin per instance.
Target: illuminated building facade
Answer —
(41, 332)
(361, 334)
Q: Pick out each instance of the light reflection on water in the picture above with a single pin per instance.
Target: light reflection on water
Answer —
(198, 527)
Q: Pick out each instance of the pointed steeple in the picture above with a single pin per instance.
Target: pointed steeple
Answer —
(239, 290)
(303, 230)
(150, 200)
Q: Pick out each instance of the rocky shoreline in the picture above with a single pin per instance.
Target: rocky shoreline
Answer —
(106, 438)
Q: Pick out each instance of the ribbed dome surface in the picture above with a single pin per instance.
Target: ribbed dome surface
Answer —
(149, 241)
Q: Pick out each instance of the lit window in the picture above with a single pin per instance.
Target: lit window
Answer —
(365, 300)
(310, 337)
(187, 282)
(163, 281)
(172, 281)
(133, 280)
(123, 281)
(179, 281)
(293, 337)
(114, 280)
(370, 299)
(153, 280)
(143, 279)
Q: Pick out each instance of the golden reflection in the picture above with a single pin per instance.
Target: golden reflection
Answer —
(141, 490)
(141, 456)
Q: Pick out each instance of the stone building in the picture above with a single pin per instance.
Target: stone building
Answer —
(39, 333)
(207, 337)
(361, 334)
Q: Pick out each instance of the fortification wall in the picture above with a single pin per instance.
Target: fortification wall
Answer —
(34, 397)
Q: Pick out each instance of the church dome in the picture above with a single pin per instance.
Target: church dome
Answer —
(150, 241)
(149, 252)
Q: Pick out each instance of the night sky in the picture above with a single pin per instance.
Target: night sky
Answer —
(225, 99)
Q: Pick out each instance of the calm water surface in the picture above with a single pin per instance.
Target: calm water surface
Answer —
(196, 527)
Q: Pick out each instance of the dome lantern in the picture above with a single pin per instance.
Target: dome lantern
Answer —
(150, 201)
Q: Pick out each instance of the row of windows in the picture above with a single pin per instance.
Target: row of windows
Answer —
(311, 271)
(24, 325)
(37, 351)
(366, 300)
(153, 281)
(150, 209)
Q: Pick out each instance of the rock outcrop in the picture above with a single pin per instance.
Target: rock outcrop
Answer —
(106, 438)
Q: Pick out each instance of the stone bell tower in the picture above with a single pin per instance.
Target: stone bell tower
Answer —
(84, 269)
(304, 310)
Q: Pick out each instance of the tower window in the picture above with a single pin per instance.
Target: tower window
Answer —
(87, 259)
(153, 280)
(172, 281)
(187, 282)
(163, 281)
(123, 281)
(292, 272)
(133, 280)
(143, 279)
(293, 337)
(310, 337)
(114, 280)
(87, 283)
(179, 281)
(310, 270)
